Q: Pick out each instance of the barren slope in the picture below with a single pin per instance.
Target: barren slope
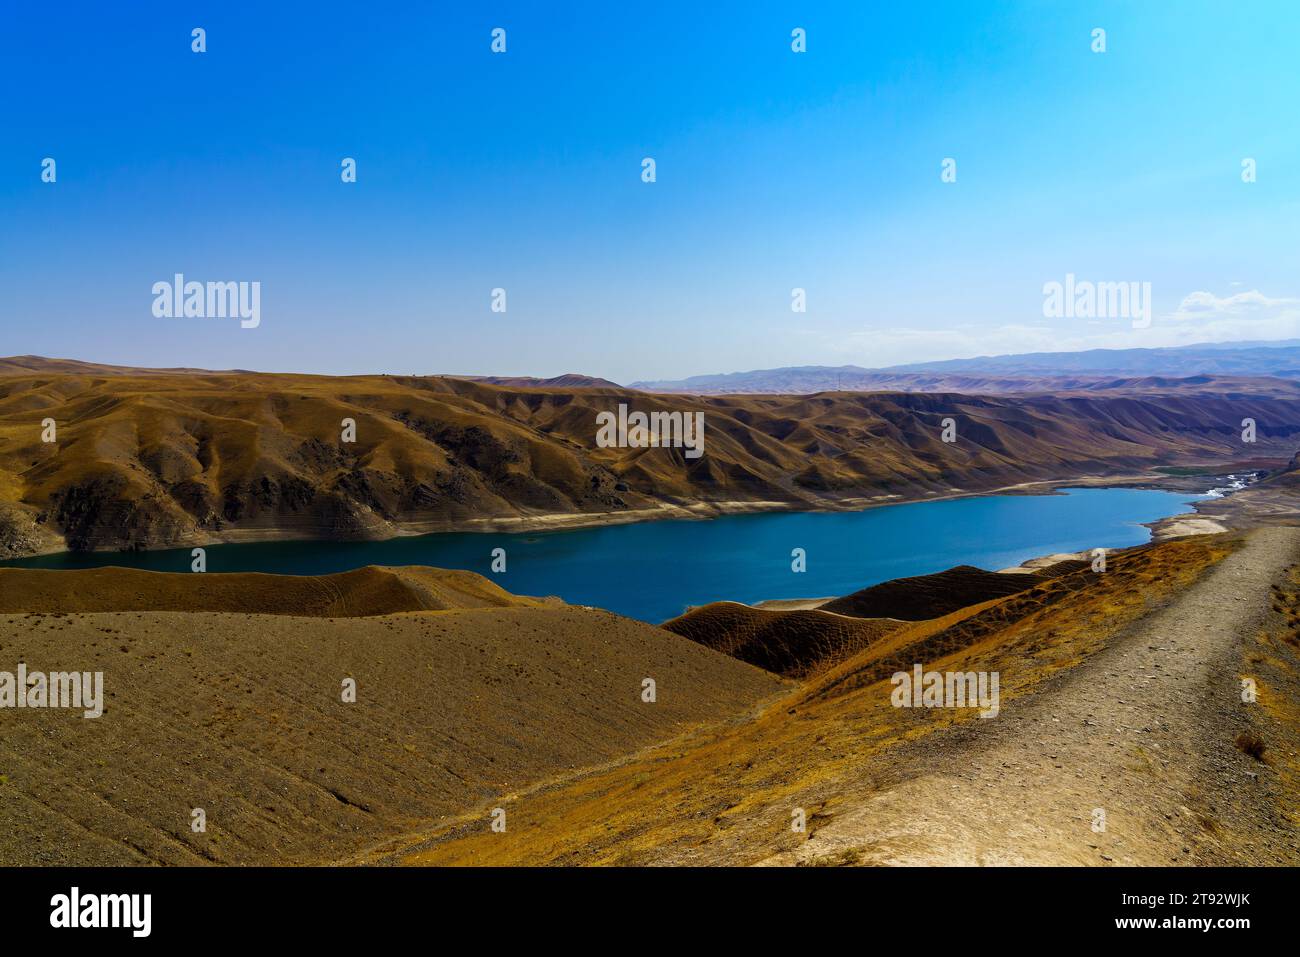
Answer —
(931, 596)
(364, 591)
(241, 715)
(791, 643)
(800, 642)
(1118, 690)
(175, 458)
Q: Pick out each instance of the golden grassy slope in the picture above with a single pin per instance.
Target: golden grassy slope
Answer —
(1271, 662)
(799, 643)
(1034, 621)
(152, 459)
(929, 596)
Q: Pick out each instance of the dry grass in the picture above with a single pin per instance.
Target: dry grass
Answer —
(923, 597)
(1273, 664)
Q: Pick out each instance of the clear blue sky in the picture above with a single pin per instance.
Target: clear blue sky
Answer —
(775, 170)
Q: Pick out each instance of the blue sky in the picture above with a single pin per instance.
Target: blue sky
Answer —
(775, 170)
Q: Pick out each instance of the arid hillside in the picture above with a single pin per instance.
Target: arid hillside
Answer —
(241, 713)
(361, 592)
(802, 642)
(141, 460)
(1119, 691)
(795, 644)
(930, 596)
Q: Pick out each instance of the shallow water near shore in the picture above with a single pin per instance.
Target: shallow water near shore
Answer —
(655, 570)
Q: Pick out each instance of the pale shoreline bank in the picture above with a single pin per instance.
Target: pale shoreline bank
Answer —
(1173, 526)
(698, 511)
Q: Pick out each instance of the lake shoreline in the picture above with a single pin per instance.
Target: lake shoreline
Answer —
(1173, 526)
(698, 511)
(652, 571)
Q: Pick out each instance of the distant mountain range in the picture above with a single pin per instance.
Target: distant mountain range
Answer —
(1228, 367)
(41, 365)
(1038, 371)
(570, 380)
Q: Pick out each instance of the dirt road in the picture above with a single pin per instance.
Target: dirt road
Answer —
(1128, 759)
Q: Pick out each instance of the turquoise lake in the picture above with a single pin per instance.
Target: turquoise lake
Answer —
(655, 570)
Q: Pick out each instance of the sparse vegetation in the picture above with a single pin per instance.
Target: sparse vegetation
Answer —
(1248, 742)
(851, 857)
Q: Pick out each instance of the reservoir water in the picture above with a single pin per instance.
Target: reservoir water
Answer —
(655, 570)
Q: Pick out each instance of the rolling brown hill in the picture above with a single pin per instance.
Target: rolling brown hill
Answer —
(1117, 689)
(801, 643)
(364, 591)
(242, 714)
(156, 459)
(931, 596)
(795, 644)
(1029, 616)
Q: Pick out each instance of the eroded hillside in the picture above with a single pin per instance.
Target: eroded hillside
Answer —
(1119, 691)
(243, 714)
(141, 460)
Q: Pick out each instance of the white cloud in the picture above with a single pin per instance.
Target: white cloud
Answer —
(1200, 317)
(1252, 303)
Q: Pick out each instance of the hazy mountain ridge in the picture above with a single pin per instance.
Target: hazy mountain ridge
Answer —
(569, 380)
(1091, 370)
(1281, 358)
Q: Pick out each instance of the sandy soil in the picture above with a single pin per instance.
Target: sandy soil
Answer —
(1179, 525)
